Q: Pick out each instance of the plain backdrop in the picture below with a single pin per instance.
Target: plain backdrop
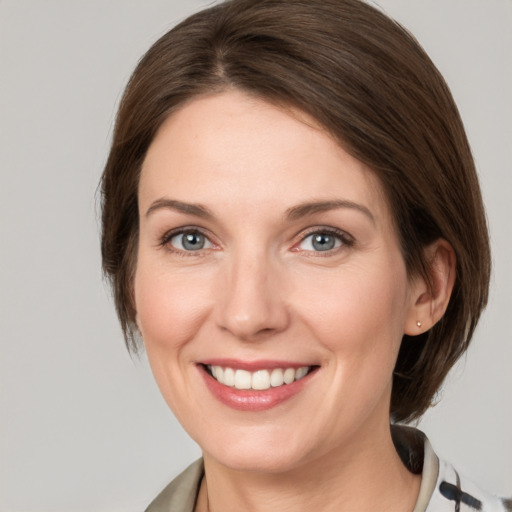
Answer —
(82, 425)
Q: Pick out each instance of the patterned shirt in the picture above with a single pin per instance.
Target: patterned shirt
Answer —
(442, 489)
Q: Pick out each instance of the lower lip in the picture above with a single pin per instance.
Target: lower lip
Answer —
(249, 399)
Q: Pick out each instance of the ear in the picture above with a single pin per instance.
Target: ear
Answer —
(429, 300)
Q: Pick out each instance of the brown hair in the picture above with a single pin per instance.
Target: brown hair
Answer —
(368, 82)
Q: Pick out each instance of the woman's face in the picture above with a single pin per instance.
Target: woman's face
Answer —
(268, 257)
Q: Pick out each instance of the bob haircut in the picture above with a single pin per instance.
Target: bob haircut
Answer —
(368, 82)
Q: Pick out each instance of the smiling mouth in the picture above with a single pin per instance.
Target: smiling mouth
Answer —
(258, 380)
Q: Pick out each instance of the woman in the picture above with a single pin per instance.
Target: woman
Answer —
(292, 223)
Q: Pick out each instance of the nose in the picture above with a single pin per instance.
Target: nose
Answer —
(253, 299)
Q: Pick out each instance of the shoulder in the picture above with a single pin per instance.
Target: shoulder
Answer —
(180, 495)
(443, 488)
(456, 492)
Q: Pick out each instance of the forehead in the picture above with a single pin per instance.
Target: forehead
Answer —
(231, 147)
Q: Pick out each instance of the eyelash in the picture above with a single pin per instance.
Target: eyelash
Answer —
(345, 239)
(190, 230)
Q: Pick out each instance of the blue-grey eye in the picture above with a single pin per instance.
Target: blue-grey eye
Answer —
(321, 241)
(191, 241)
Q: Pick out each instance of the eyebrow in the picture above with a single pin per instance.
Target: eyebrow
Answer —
(171, 204)
(293, 213)
(310, 208)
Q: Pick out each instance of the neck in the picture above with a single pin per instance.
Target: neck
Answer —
(367, 476)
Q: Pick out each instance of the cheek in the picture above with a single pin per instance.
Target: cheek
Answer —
(358, 318)
(359, 311)
(169, 307)
(170, 311)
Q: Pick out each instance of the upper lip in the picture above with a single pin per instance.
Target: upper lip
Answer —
(260, 364)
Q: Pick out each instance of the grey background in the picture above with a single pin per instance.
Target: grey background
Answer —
(82, 425)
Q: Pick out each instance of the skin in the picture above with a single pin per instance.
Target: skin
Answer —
(259, 290)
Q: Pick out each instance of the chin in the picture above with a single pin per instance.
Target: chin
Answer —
(259, 452)
(256, 462)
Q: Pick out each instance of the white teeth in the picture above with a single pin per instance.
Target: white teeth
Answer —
(276, 378)
(243, 379)
(229, 377)
(258, 380)
(289, 375)
(301, 372)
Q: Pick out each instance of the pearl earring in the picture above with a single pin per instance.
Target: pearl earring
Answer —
(418, 323)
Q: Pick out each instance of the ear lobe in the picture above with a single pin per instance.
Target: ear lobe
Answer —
(429, 300)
